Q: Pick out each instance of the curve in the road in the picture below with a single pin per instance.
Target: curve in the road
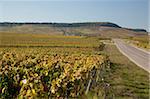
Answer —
(139, 57)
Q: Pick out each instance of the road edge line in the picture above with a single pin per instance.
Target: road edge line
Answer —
(132, 59)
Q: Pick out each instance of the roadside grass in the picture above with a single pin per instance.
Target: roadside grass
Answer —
(127, 80)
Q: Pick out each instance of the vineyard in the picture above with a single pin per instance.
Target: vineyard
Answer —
(35, 71)
(46, 40)
(141, 42)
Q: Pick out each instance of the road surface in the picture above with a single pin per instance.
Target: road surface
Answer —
(139, 57)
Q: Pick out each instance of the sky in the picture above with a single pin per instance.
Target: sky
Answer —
(126, 13)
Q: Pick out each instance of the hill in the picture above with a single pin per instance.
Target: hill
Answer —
(105, 29)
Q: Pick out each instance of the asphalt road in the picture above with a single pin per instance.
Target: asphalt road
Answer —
(139, 57)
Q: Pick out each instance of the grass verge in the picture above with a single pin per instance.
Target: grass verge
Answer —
(127, 80)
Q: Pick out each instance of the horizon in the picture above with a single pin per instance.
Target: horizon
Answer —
(125, 13)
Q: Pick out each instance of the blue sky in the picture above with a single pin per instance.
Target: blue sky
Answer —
(126, 13)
